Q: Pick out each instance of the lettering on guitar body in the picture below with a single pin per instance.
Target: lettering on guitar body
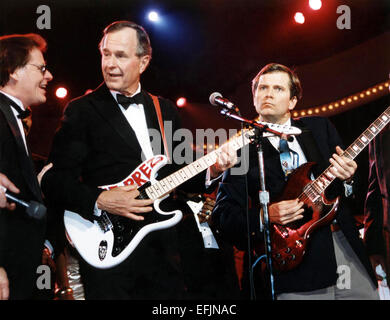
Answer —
(140, 175)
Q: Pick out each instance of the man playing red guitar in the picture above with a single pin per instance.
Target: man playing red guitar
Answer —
(334, 265)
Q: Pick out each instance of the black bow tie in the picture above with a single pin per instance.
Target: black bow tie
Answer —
(22, 114)
(126, 101)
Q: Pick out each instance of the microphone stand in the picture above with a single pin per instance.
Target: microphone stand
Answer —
(264, 202)
(263, 193)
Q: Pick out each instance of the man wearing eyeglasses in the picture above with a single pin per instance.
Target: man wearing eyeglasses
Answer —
(23, 80)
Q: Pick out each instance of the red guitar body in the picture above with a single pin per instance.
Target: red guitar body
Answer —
(289, 242)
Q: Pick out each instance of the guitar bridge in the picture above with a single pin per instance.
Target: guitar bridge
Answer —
(104, 222)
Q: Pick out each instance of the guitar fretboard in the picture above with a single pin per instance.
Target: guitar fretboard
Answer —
(167, 184)
(318, 186)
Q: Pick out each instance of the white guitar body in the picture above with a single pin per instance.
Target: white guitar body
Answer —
(107, 240)
(95, 245)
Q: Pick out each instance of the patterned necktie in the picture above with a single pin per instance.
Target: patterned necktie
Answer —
(125, 102)
(286, 160)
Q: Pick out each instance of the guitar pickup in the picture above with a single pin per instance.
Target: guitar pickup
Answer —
(104, 222)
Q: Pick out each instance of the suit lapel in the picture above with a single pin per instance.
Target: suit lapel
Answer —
(6, 108)
(309, 146)
(152, 121)
(273, 157)
(26, 162)
(269, 149)
(150, 111)
(107, 106)
(109, 109)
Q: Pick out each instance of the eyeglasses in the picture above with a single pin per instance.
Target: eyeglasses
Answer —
(42, 68)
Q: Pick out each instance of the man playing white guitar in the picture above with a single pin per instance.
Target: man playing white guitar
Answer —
(100, 142)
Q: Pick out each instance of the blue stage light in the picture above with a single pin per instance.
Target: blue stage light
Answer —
(153, 16)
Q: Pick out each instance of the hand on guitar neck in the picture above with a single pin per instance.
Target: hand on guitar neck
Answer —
(227, 158)
(287, 211)
(205, 214)
(343, 167)
(122, 201)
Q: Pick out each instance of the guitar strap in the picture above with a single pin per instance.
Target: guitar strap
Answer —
(161, 123)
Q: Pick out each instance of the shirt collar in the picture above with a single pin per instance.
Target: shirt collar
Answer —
(275, 139)
(114, 93)
(287, 123)
(14, 99)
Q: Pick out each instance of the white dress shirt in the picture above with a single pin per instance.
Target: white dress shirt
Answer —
(293, 145)
(135, 115)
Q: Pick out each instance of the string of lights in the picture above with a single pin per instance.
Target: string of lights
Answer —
(346, 103)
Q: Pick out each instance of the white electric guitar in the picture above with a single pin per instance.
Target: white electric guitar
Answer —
(109, 239)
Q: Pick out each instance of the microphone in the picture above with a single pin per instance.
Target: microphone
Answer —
(216, 99)
(34, 209)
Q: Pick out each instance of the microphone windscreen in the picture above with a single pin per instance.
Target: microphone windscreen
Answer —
(36, 210)
(213, 96)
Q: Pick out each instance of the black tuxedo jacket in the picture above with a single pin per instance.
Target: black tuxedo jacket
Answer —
(318, 269)
(21, 238)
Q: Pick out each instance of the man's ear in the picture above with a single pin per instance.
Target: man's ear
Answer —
(144, 63)
(292, 103)
(15, 76)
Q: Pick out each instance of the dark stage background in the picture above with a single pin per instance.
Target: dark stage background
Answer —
(219, 45)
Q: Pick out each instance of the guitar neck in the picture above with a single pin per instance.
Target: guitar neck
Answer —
(325, 179)
(169, 183)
